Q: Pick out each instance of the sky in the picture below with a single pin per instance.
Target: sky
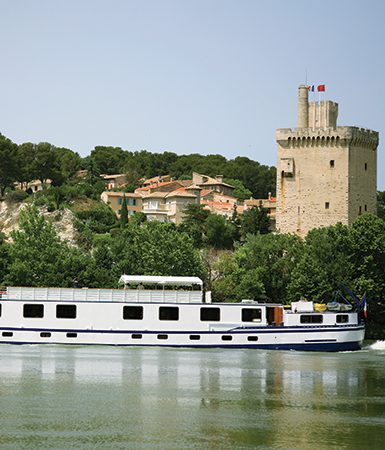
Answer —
(187, 76)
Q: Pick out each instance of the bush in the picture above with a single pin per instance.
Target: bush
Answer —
(16, 196)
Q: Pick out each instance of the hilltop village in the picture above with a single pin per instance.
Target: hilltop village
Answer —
(250, 231)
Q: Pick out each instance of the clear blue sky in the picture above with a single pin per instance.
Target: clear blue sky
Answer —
(204, 76)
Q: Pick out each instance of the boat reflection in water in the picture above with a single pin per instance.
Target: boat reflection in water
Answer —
(63, 397)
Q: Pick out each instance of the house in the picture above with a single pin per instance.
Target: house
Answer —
(115, 200)
(269, 203)
(214, 184)
(114, 181)
(168, 206)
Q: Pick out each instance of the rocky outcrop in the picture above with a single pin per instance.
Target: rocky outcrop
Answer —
(62, 220)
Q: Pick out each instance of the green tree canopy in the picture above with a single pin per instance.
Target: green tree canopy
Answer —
(8, 164)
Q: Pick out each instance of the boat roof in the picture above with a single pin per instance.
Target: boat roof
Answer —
(152, 279)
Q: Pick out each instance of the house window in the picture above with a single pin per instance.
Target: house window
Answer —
(332, 163)
(251, 314)
(153, 204)
(168, 313)
(66, 311)
(33, 311)
(312, 318)
(132, 312)
(120, 201)
(327, 205)
(210, 314)
(342, 318)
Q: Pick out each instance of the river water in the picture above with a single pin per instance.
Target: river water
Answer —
(57, 397)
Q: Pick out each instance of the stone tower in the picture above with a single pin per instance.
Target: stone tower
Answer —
(325, 173)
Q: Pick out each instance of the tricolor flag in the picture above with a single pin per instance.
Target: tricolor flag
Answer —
(321, 88)
(311, 88)
(365, 307)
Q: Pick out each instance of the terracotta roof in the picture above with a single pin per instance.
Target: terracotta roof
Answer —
(204, 192)
(120, 194)
(156, 185)
(159, 194)
(181, 193)
(218, 205)
(156, 179)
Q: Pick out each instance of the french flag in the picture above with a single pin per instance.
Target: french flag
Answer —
(311, 88)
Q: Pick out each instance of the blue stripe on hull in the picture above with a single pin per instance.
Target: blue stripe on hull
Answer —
(313, 347)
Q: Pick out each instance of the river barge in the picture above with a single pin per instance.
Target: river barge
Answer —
(172, 312)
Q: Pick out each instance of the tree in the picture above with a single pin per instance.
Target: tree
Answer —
(324, 266)
(381, 204)
(154, 248)
(240, 192)
(68, 161)
(8, 166)
(26, 154)
(108, 160)
(254, 220)
(262, 266)
(45, 164)
(368, 261)
(124, 213)
(219, 232)
(38, 257)
(194, 220)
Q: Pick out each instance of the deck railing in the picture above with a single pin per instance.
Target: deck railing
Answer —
(102, 295)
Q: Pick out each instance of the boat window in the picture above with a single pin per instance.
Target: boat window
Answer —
(227, 337)
(45, 335)
(162, 336)
(0, 309)
(33, 311)
(252, 338)
(251, 314)
(72, 335)
(210, 314)
(66, 311)
(168, 313)
(342, 318)
(132, 312)
(311, 318)
(7, 334)
(194, 337)
(136, 336)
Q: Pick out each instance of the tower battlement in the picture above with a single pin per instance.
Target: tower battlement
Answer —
(321, 137)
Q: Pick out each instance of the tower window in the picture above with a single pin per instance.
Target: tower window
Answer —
(332, 163)
(366, 208)
(360, 210)
(366, 166)
(327, 205)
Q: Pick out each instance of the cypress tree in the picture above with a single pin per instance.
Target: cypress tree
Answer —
(124, 213)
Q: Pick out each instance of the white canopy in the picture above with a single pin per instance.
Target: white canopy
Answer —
(151, 279)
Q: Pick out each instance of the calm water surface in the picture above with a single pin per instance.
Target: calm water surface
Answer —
(55, 397)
